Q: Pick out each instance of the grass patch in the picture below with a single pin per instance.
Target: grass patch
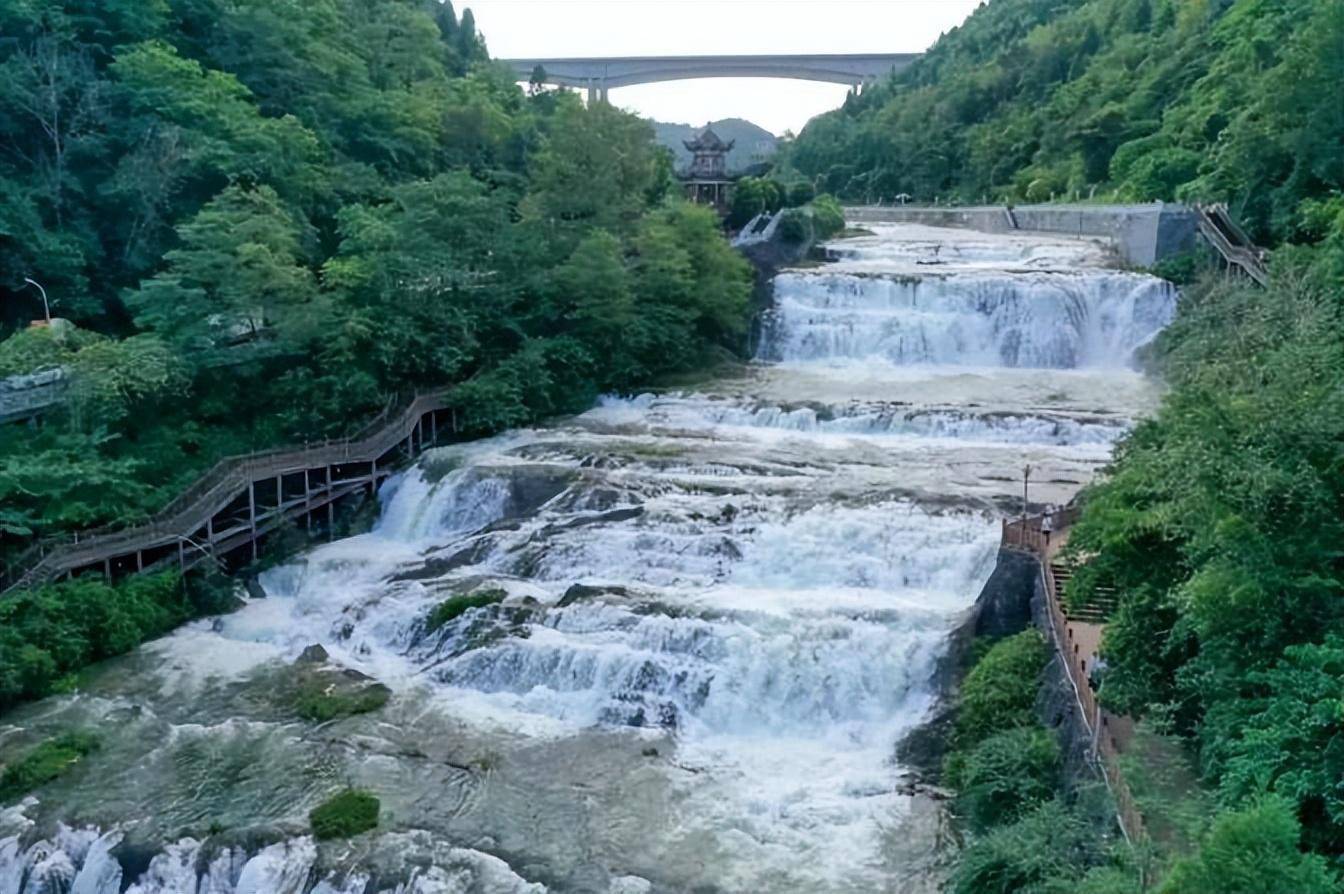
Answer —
(454, 606)
(345, 814)
(320, 702)
(44, 763)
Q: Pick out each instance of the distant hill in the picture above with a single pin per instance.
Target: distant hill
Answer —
(754, 144)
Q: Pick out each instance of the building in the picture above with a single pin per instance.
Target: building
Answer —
(706, 181)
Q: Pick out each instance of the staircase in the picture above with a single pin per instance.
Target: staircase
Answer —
(1229, 240)
(1100, 603)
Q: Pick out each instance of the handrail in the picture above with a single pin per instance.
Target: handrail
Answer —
(189, 509)
(1025, 534)
(1230, 241)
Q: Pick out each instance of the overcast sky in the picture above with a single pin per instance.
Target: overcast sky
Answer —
(530, 28)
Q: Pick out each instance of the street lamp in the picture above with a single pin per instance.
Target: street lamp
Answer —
(1026, 477)
(46, 308)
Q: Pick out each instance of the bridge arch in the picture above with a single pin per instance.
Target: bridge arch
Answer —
(600, 74)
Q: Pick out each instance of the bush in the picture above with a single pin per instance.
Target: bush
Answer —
(44, 763)
(1045, 851)
(48, 633)
(795, 227)
(345, 814)
(1252, 851)
(801, 193)
(1005, 775)
(453, 607)
(999, 692)
(828, 218)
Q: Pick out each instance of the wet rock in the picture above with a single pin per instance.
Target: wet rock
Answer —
(442, 565)
(314, 654)
(254, 588)
(586, 593)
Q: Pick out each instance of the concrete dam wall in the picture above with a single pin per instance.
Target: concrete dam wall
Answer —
(1142, 234)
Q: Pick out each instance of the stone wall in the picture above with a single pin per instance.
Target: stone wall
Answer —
(1141, 234)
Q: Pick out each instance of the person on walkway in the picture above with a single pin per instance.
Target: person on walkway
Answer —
(1048, 523)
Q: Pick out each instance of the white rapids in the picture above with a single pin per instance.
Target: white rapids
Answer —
(711, 615)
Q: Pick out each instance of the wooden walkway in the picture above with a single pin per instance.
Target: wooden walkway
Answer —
(1076, 636)
(226, 513)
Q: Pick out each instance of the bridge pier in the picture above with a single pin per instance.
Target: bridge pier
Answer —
(597, 90)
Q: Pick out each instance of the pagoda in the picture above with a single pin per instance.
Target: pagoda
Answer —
(706, 181)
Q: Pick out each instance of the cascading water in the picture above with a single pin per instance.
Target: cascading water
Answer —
(704, 619)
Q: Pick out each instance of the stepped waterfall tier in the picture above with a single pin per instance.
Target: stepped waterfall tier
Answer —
(669, 644)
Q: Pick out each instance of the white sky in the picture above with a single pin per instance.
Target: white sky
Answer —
(532, 28)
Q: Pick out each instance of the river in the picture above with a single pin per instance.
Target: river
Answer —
(718, 611)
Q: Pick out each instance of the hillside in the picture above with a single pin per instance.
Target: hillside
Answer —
(1232, 100)
(753, 144)
(263, 225)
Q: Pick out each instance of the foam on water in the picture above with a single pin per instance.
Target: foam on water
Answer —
(1039, 320)
(767, 583)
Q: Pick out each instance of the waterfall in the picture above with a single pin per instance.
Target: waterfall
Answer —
(705, 617)
(1037, 320)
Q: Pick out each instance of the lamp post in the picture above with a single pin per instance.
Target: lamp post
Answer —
(1026, 476)
(46, 308)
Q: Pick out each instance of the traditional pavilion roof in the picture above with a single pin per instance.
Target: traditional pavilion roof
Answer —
(708, 141)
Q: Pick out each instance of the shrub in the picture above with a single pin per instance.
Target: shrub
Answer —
(801, 193)
(1252, 851)
(454, 606)
(1046, 850)
(345, 814)
(828, 218)
(1000, 690)
(794, 226)
(57, 629)
(1005, 775)
(44, 763)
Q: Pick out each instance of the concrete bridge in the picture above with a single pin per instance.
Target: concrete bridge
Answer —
(599, 75)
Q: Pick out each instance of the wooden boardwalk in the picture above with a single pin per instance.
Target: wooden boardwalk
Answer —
(225, 514)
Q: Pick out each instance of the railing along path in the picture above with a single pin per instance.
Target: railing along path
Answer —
(229, 479)
(1230, 241)
(1107, 731)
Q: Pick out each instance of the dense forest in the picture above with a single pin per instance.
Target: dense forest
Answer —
(1134, 100)
(264, 220)
(1219, 522)
(259, 223)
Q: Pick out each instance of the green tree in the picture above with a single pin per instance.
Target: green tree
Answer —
(239, 278)
(1252, 851)
(1003, 776)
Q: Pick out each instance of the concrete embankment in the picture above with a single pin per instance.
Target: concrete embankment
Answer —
(1141, 234)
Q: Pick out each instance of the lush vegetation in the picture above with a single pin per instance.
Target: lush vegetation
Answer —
(1220, 526)
(454, 606)
(262, 222)
(49, 633)
(44, 763)
(1220, 521)
(1231, 100)
(344, 814)
(1030, 832)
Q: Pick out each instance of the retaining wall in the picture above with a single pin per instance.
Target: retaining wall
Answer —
(1141, 234)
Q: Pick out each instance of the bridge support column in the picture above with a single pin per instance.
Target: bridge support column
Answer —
(602, 93)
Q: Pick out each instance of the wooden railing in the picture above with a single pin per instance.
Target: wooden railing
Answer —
(1230, 241)
(1107, 731)
(193, 508)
